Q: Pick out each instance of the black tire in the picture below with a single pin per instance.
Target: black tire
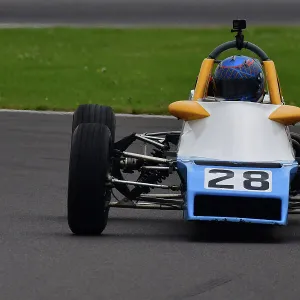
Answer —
(88, 194)
(95, 113)
(295, 136)
(296, 147)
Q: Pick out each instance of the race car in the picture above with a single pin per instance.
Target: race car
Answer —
(236, 161)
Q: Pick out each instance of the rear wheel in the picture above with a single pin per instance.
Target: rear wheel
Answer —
(88, 194)
(95, 113)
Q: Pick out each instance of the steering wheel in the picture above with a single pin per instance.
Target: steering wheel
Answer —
(244, 45)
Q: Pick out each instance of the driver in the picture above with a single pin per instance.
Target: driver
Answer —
(239, 78)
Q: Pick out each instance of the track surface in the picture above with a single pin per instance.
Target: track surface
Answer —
(142, 254)
(148, 12)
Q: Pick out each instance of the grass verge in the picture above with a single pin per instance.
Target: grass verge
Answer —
(132, 70)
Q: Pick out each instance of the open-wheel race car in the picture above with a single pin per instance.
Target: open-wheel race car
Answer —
(236, 161)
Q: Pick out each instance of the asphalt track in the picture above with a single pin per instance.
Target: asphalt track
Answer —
(142, 254)
(148, 12)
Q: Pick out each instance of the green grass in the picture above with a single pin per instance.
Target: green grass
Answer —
(133, 70)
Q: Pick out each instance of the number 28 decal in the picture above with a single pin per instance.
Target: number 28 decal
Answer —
(242, 180)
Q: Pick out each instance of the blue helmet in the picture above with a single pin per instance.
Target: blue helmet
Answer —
(239, 78)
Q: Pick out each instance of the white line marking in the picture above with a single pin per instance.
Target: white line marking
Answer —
(171, 24)
(108, 25)
(50, 112)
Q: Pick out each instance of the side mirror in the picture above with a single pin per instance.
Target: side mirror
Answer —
(188, 110)
(286, 115)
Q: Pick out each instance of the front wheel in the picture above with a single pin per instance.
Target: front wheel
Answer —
(88, 194)
(95, 113)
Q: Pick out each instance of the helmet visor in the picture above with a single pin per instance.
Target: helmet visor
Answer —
(236, 89)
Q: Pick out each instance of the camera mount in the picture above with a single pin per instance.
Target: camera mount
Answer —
(238, 26)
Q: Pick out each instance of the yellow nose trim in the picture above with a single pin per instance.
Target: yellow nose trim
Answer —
(286, 115)
(188, 110)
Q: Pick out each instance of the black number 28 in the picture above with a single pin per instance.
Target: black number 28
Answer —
(213, 183)
(251, 177)
(262, 180)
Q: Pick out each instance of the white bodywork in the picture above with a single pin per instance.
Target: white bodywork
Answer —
(236, 131)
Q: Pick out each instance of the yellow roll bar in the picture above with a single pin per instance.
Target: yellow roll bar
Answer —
(203, 77)
(273, 82)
